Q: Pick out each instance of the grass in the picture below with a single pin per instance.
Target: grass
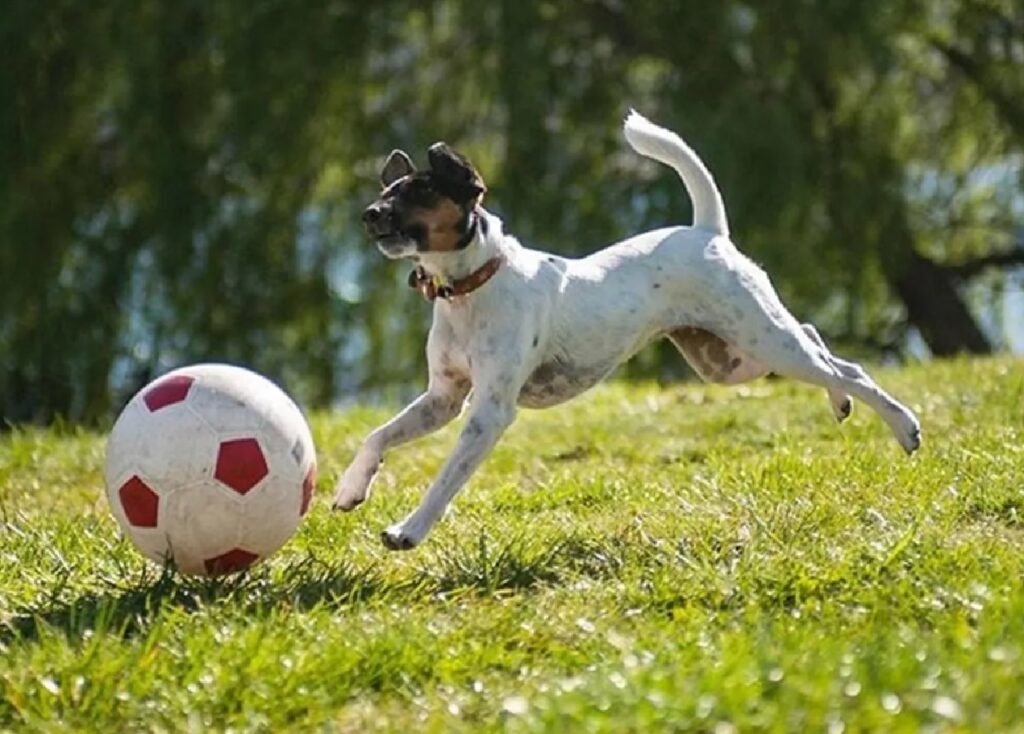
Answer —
(673, 558)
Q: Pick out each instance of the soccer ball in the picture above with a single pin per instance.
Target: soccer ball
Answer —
(211, 467)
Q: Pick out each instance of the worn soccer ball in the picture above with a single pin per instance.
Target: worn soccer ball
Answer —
(210, 467)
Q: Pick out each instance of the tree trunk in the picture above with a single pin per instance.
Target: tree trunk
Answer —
(935, 307)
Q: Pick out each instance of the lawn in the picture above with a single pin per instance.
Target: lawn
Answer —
(647, 558)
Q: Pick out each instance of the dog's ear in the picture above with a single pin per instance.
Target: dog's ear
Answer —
(456, 170)
(397, 165)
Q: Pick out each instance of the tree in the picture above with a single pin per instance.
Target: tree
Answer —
(183, 181)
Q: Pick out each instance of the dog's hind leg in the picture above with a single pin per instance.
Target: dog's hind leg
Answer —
(716, 360)
(713, 358)
(842, 406)
(793, 353)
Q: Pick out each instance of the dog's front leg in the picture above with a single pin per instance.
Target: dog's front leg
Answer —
(431, 411)
(490, 414)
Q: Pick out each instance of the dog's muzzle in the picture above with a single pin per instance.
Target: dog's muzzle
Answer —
(383, 225)
(380, 222)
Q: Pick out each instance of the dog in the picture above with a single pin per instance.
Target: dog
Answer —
(519, 327)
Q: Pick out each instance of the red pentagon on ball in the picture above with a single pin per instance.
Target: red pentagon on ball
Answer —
(235, 559)
(167, 392)
(307, 490)
(240, 464)
(141, 504)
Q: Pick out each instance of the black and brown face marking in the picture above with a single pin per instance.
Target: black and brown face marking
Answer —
(424, 211)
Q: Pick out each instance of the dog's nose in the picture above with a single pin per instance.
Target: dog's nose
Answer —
(372, 215)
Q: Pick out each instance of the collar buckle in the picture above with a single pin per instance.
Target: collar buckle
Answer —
(433, 287)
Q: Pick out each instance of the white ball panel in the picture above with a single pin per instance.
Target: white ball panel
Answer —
(286, 470)
(271, 514)
(286, 426)
(227, 404)
(153, 543)
(201, 521)
(124, 442)
(176, 449)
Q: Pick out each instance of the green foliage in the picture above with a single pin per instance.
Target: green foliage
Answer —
(681, 558)
(181, 181)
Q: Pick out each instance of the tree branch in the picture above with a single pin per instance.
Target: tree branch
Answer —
(975, 267)
(1007, 107)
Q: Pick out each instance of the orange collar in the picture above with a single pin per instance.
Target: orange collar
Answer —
(433, 288)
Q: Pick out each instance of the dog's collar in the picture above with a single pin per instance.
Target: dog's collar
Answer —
(473, 222)
(433, 287)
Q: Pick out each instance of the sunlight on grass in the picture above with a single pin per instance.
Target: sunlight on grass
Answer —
(645, 558)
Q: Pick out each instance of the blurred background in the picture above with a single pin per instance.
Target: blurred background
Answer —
(181, 181)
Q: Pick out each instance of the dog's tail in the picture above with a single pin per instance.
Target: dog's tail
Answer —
(664, 145)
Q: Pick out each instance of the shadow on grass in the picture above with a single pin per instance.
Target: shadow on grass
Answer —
(518, 564)
(489, 567)
(129, 607)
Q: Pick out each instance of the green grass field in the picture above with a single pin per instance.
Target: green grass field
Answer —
(673, 558)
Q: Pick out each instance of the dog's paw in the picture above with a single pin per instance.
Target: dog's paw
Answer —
(346, 503)
(912, 441)
(354, 486)
(843, 408)
(909, 433)
(397, 539)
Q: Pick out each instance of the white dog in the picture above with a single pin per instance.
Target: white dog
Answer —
(517, 327)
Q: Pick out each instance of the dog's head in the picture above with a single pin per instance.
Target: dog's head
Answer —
(424, 211)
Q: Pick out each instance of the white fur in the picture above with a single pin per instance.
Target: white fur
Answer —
(545, 328)
(668, 148)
